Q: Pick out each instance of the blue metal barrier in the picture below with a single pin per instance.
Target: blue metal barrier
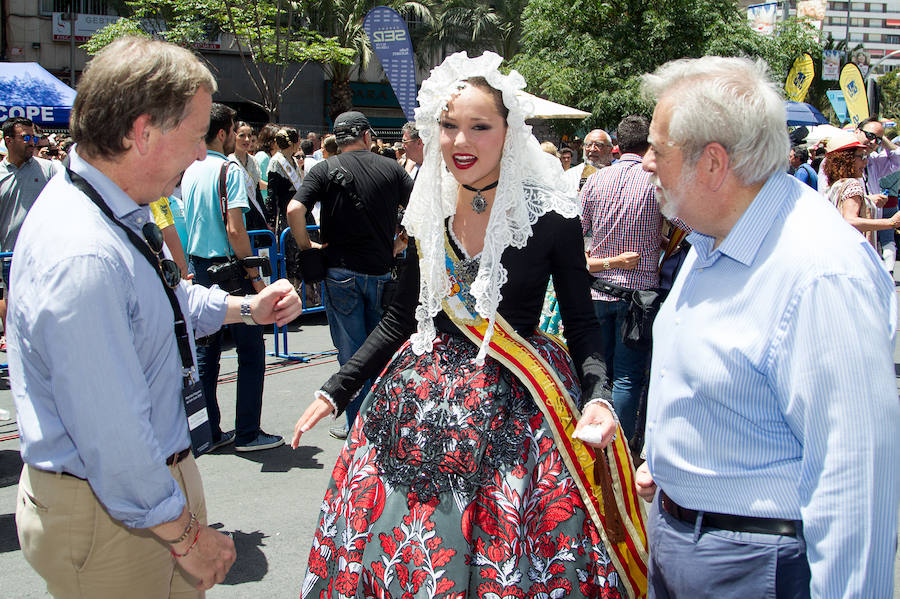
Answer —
(3, 256)
(281, 345)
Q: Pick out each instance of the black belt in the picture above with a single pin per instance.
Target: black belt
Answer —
(769, 526)
(177, 457)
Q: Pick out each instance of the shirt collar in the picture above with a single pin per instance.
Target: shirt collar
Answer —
(629, 157)
(214, 153)
(746, 237)
(121, 204)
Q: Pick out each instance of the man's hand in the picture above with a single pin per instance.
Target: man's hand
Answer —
(596, 426)
(643, 483)
(278, 303)
(209, 559)
(317, 410)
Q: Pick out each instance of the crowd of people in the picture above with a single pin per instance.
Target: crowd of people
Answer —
(483, 456)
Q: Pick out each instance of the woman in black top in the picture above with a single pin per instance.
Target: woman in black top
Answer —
(450, 483)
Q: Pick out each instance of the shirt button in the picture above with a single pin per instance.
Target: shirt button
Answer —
(140, 220)
(678, 320)
(662, 373)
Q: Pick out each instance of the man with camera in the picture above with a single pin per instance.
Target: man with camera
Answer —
(360, 192)
(219, 252)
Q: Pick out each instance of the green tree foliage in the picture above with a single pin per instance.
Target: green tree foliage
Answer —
(890, 95)
(474, 26)
(591, 53)
(271, 39)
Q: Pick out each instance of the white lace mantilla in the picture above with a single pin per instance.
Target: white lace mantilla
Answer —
(531, 184)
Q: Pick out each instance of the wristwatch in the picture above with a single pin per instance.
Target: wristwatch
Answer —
(246, 316)
(606, 264)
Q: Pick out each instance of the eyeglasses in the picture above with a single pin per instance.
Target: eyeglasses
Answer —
(871, 136)
(154, 238)
(598, 145)
(408, 141)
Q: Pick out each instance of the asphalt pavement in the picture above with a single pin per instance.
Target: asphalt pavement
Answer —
(268, 500)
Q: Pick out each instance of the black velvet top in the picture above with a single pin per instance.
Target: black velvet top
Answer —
(555, 248)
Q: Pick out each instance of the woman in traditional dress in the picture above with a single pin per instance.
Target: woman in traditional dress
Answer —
(845, 162)
(461, 477)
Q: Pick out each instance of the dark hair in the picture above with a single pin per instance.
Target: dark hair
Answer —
(871, 119)
(266, 137)
(286, 137)
(566, 150)
(240, 124)
(389, 152)
(410, 129)
(801, 152)
(482, 84)
(307, 146)
(221, 117)
(839, 165)
(9, 126)
(632, 134)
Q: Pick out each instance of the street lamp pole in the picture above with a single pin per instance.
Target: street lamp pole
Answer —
(881, 60)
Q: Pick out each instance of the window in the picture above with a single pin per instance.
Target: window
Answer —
(841, 6)
(837, 20)
(891, 39)
(86, 7)
(857, 22)
(856, 37)
(861, 6)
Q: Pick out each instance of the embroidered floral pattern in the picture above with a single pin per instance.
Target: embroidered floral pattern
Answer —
(495, 516)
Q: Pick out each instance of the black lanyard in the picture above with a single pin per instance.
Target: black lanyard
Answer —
(181, 333)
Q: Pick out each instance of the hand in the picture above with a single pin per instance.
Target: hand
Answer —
(895, 220)
(627, 260)
(597, 415)
(400, 242)
(643, 483)
(879, 199)
(315, 245)
(210, 558)
(278, 303)
(258, 286)
(317, 410)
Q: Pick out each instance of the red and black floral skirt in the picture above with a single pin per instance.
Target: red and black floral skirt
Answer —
(450, 485)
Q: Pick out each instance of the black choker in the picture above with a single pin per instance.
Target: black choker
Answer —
(479, 204)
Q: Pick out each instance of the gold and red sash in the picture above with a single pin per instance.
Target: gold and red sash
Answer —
(605, 478)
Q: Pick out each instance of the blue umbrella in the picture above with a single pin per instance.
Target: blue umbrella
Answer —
(801, 113)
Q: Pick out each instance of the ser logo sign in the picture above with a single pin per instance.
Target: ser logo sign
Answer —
(389, 35)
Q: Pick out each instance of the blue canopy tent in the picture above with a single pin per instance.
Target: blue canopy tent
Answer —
(28, 90)
(800, 113)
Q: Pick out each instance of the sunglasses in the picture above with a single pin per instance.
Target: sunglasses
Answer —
(27, 138)
(871, 136)
(154, 238)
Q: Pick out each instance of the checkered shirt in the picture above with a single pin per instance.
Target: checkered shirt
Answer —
(619, 213)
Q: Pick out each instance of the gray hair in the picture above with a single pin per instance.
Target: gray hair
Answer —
(410, 128)
(730, 101)
(130, 77)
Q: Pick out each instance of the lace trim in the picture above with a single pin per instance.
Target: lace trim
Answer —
(531, 184)
(327, 397)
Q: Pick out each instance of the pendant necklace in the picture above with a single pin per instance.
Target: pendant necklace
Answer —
(479, 203)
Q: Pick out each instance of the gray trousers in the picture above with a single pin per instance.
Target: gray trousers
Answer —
(691, 561)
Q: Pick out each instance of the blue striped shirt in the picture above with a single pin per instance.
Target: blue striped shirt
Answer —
(772, 387)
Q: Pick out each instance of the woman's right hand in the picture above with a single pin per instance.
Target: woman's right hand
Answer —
(317, 410)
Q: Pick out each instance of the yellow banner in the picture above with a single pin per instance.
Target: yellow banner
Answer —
(800, 78)
(854, 89)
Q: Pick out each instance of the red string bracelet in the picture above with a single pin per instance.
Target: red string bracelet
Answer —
(188, 550)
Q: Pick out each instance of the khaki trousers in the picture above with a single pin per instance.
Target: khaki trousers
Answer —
(70, 539)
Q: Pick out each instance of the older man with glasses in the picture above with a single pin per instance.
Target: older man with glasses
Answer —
(597, 154)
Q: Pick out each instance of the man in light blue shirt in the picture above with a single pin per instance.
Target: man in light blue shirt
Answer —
(96, 369)
(773, 414)
(215, 234)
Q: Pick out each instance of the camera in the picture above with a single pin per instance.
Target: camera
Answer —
(231, 275)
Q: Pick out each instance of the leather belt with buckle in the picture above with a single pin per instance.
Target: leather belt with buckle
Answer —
(769, 526)
(177, 457)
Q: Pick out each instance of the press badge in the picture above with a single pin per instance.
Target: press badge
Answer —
(198, 419)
